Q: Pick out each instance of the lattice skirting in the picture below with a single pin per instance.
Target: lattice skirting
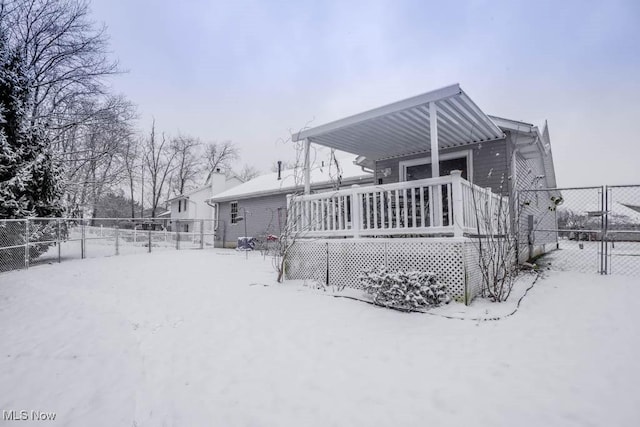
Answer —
(339, 262)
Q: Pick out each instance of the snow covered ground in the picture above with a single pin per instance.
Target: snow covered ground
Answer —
(205, 338)
(623, 257)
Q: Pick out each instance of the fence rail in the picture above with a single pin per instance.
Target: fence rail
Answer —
(26, 242)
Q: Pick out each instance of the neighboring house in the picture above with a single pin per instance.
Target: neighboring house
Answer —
(161, 212)
(187, 208)
(264, 199)
(420, 215)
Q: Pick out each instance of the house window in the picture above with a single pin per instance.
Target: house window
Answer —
(179, 205)
(411, 170)
(234, 212)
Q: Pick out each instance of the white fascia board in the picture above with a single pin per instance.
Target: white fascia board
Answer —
(512, 125)
(425, 98)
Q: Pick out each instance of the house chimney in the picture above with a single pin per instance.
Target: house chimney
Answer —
(279, 169)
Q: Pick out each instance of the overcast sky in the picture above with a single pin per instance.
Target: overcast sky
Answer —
(249, 71)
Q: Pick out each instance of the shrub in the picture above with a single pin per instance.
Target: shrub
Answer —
(399, 289)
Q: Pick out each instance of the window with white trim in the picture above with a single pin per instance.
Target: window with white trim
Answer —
(411, 170)
(234, 212)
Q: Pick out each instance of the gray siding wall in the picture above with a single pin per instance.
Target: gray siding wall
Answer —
(262, 218)
(490, 165)
(539, 205)
(262, 213)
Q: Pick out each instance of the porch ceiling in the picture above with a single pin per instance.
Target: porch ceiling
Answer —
(403, 127)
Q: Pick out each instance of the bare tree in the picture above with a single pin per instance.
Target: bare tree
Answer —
(159, 163)
(219, 155)
(496, 242)
(66, 56)
(131, 160)
(296, 222)
(188, 162)
(248, 172)
(284, 165)
(65, 53)
(95, 152)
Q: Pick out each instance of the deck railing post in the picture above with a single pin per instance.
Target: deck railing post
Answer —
(491, 219)
(356, 216)
(290, 223)
(456, 195)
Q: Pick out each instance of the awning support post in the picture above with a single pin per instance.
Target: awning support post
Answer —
(433, 127)
(435, 164)
(307, 167)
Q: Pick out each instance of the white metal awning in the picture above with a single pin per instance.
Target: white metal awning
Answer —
(403, 127)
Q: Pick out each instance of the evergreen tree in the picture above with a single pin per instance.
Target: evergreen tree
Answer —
(29, 176)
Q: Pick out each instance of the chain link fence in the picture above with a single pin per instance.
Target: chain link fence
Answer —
(27, 242)
(588, 229)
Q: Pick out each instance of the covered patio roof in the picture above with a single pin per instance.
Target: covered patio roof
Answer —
(405, 127)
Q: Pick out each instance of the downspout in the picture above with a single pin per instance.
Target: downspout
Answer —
(216, 222)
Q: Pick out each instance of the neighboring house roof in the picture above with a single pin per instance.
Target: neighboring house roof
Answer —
(186, 195)
(206, 186)
(618, 213)
(159, 212)
(634, 207)
(291, 180)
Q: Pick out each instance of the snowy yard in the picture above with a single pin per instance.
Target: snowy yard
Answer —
(194, 338)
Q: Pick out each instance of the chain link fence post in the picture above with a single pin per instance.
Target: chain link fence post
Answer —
(26, 243)
(201, 234)
(82, 239)
(117, 233)
(149, 239)
(58, 241)
(177, 235)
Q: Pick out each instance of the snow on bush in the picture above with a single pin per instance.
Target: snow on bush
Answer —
(400, 289)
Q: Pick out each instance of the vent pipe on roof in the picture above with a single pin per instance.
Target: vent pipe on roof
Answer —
(279, 169)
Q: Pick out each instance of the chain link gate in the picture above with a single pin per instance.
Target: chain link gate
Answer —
(589, 229)
(622, 230)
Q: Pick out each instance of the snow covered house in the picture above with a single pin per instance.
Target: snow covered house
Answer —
(260, 204)
(441, 168)
(191, 206)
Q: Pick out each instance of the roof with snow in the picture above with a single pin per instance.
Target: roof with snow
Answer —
(206, 186)
(292, 180)
(618, 213)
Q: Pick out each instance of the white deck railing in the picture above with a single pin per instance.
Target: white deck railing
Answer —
(447, 205)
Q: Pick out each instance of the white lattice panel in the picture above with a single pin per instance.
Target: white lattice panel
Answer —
(346, 259)
(444, 259)
(308, 261)
(473, 274)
